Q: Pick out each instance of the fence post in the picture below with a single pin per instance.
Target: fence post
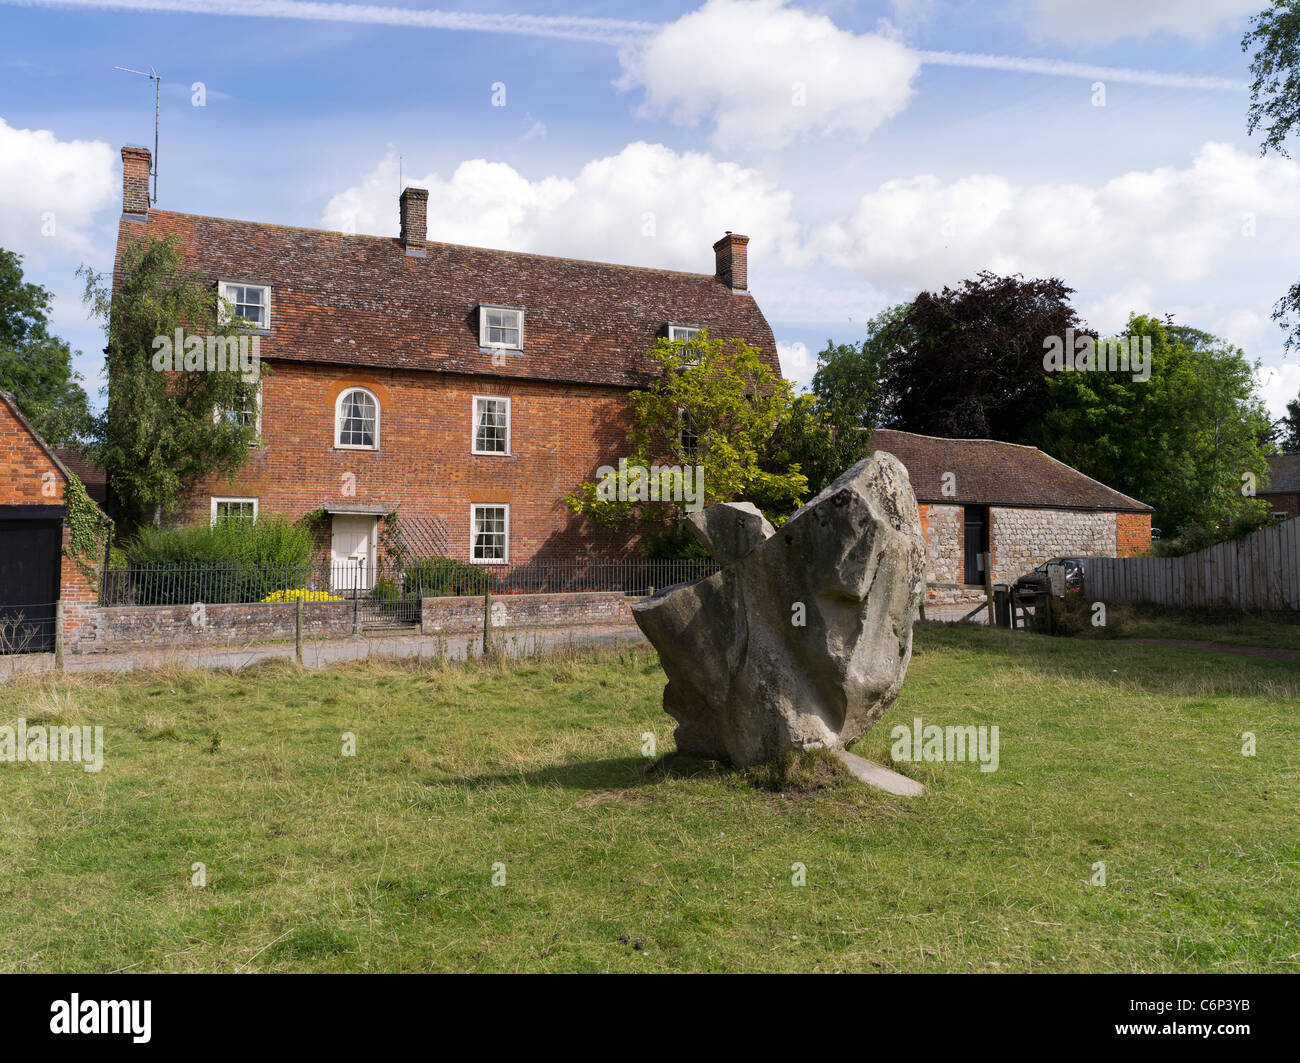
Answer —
(988, 587)
(356, 600)
(487, 618)
(58, 636)
(297, 632)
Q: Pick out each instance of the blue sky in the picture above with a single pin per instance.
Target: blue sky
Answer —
(854, 142)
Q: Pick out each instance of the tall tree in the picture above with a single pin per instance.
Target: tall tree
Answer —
(1179, 441)
(716, 405)
(1274, 37)
(35, 366)
(162, 431)
(968, 361)
(1288, 428)
(829, 429)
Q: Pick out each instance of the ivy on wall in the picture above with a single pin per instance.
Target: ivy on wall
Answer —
(88, 528)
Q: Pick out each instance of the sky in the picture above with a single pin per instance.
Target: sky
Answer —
(870, 150)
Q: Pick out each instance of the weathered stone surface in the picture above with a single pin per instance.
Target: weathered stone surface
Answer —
(729, 530)
(803, 640)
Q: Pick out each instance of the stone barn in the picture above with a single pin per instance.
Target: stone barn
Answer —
(1014, 502)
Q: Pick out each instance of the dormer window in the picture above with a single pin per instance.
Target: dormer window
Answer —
(682, 333)
(501, 327)
(251, 302)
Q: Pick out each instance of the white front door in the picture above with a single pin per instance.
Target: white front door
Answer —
(352, 551)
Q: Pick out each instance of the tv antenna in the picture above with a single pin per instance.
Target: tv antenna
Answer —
(156, 78)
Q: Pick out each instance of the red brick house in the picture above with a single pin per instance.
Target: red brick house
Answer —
(35, 571)
(467, 386)
(1017, 503)
(1283, 490)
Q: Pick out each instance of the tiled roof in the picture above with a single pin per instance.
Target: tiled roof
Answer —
(92, 476)
(991, 473)
(362, 301)
(1284, 475)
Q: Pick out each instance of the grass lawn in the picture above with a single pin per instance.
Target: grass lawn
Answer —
(1279, 631)
(1125, 754)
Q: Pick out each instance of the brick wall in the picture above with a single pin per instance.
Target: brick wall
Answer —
(28, 477)
(1283, 503)
(441, 616)
(560, 434)
(1133, 533)
(155, 627)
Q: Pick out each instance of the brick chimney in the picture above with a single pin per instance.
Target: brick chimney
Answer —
(135, 182)
(733, 266)
(415, 212)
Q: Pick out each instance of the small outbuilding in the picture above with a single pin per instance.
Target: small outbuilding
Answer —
(1017, 503)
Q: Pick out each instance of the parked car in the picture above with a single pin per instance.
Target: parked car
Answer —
(1038, 582)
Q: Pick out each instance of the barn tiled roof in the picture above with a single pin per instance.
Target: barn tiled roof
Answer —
(1284, 475)
(992, 473)
(362, 301)
(92, 476)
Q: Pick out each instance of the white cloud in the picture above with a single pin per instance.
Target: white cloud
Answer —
(1109, 315)
(1279, 384)
(49, 189)
(765, 74)
(647, 205)
(1167, 224)
(1096, 21)
(798, 363)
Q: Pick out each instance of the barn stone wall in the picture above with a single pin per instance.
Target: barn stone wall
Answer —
(1024, 538)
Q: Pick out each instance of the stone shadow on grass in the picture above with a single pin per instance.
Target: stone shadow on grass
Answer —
(796, 772)
(609, 774)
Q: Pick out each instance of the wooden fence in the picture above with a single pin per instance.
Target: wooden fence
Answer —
(1260, 571)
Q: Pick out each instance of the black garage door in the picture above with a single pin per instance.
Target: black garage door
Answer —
(30, 548)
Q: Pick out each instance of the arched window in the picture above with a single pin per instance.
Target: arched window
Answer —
(356, 420)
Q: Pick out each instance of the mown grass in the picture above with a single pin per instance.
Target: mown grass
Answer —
(1111, 752)
(1275, 630)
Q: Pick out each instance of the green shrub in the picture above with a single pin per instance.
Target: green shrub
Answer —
(230, 561)
(438, 577)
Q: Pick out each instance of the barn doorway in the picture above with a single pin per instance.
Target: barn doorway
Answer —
(977, 543)
(31, 544)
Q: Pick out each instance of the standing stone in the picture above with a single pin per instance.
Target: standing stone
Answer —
(802, 639)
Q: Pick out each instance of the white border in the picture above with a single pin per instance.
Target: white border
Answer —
(488, 561)
(231, 498)
(483, 326)
(473, 438)
(338, 418)
(221, 294)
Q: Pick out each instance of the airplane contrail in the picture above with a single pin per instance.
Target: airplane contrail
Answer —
(610, 31)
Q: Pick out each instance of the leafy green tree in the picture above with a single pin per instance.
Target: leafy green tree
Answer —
(715, 405)
(1179, 441)
(35, 366)
(1288, 428)
(829, 430)
(1274, 37)
(967, 362)
(162, 431)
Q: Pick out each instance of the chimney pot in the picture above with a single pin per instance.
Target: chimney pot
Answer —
(136, 164)
(415, 213)
(732, 261)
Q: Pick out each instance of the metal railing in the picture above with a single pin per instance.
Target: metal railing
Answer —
(28, 628)
(166, 583)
